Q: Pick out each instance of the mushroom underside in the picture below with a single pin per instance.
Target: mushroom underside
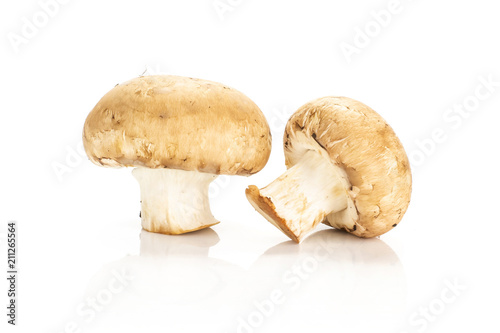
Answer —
(311, 191)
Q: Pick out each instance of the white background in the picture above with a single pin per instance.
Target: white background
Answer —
(79, 229)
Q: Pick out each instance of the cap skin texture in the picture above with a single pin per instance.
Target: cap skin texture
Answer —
(179, 133)
(346, 168)
(180, 123)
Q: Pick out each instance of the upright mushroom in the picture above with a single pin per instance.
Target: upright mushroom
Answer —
(179, 133)
(346, 168)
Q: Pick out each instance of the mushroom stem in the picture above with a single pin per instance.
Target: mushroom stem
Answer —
(174, 201)
(302, 197)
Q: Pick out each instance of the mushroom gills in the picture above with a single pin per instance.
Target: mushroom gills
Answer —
(174, 201)
(305, 195)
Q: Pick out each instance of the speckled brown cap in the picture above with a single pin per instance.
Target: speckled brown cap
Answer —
(359, 141)
(177, 122)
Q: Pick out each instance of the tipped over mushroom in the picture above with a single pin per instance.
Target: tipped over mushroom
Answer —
(179, 133)
(346, 168)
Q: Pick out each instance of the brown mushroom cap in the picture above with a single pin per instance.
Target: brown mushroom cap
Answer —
(177, 122)
(358, 140)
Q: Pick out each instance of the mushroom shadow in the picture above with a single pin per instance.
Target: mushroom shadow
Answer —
(196, 243)
(173, 277)
(331, 278)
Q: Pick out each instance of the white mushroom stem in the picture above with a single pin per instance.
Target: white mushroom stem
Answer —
(174, 201)
(302, 197)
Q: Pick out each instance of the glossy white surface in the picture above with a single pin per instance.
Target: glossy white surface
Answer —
(79, 231)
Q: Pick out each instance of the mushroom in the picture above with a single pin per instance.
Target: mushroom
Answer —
(179, 133)
(345, 168)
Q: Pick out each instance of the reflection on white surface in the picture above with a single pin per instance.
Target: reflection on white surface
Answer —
(176, 269)
(331, 281)
(190, 244)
